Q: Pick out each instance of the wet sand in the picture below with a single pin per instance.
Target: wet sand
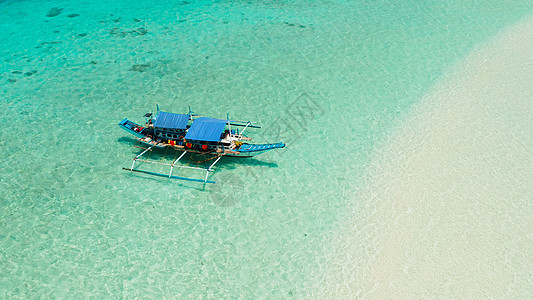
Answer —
(448, 208)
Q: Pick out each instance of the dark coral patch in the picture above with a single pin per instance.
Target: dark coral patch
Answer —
(54, 11)
(139, 68)
(29, 73)
(139, 31)
(48, 43)
(73, 15)
(294, 25)
(51, 43)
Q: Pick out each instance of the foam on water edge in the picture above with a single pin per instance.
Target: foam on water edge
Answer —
(448, 196)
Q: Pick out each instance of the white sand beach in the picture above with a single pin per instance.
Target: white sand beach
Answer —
(448, 200)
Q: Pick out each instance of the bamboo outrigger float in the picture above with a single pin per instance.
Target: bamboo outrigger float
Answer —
(194, 134)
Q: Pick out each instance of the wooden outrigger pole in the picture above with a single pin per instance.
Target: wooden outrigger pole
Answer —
(172, 166)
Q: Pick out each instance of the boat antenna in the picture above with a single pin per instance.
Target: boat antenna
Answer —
(155, 131)
(229, 124)
(190, 112)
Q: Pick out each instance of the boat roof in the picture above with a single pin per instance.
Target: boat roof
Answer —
(206, 130)
(171, 120)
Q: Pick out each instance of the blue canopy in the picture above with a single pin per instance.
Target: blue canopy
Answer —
(171, 121)
(206, 129)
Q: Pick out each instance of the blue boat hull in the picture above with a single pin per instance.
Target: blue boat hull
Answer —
(245, 150)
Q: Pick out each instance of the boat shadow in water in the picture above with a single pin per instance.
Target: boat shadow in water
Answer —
(199, 186)
(229, 161)
(157, 161)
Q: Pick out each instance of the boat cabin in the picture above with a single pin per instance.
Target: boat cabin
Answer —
(170, 126)
(206, 133)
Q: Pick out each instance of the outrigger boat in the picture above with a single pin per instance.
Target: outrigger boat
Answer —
(190, 133)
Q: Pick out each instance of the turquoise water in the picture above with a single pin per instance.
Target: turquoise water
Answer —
(75, 225)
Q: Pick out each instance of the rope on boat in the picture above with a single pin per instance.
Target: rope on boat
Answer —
(211, 158)
(163, 157)
(149, 154)
(202, 161)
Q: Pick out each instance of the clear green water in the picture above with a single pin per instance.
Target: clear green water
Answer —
(73, 224)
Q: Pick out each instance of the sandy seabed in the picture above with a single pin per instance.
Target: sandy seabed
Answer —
(448, 198)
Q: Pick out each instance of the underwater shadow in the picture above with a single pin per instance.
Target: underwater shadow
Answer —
(226, 161)
(198, 186)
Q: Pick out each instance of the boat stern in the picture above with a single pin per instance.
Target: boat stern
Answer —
(132, 128)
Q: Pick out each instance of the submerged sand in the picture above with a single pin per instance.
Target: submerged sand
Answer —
(448, 204)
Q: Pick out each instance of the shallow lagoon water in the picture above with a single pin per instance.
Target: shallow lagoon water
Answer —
(74, 224)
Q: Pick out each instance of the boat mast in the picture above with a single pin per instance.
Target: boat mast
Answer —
(155, 132)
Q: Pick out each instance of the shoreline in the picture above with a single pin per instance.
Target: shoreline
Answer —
(447, 193)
